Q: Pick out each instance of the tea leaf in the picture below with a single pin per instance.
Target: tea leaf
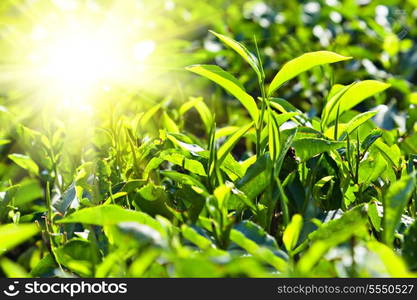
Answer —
(12, 235)
(104, 215)
(230, 84)
(225, 149)
(292, 232)
(25, 162)
(308, 147)
(242, 51)
(394, 203)
(350, 96)
(301, 64)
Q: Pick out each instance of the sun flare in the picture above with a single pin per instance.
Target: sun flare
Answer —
(82, 61)
(71, 57)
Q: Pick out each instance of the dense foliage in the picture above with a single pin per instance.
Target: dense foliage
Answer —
(279, 141)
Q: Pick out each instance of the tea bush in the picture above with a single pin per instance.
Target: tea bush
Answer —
(280, 142)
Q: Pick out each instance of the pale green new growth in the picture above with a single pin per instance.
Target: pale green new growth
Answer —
(301, 64)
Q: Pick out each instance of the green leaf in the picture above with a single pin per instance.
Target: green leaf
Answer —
(318, 188)
(146, 260)
(149, 114)
(25, 192)
(273, 136)
(371, 138)
(331, 234)
(110, 215)
(392, 154)
(132, 234)
(184, 179)
(4, 141)
(306, 148)
(232, 168)
(356, 122)
(394, 265)
(227, 147)
(80, 256)
(12, 235)
(292, 232)
(152, 200)
(113, 197)
(196, 238)
(256, 242)
(45, 267)
(350, 96)
(301, 64)
(333, 104)
(201, 107)
(12, 269)
(287, 137)
(257, 234)
(371, 168)
(341, 228)
(286, 107)
(230, 84)
(374, 216)
(179, 159)
(169, 124)
(25, 162)
(409, 248)
(239, 197)
(256, 179)
(278, 120)
(394, 203)
(242, 51)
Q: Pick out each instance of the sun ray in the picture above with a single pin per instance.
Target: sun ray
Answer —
(66, 54)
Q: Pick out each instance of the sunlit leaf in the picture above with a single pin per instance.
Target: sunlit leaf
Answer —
(263, 253)
(371, 138)
(409, 248)
(391, 154)
(110, 215)
(273, 136)
(12, 235)
(356, 122)
(331, 234)
(242, 51)
(197, 239)
(169, 124)
(350, 96)
(25, 162)
(301, 64)
(306, 148)
(230, 84)
(225, 149)
(394, 264)
(12, 269)
(394, 203)
(292, 232)
(79, 256)
(256, 179)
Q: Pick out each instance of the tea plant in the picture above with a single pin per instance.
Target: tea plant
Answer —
(261, 189)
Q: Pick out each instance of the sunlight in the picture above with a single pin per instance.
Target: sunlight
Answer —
(77, 62)
(80, 62)
(69, 56)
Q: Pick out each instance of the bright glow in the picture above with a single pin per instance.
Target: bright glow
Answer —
(143, 49)
(76, 65)
(78, 62)
(70, 56)
(84, 60)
